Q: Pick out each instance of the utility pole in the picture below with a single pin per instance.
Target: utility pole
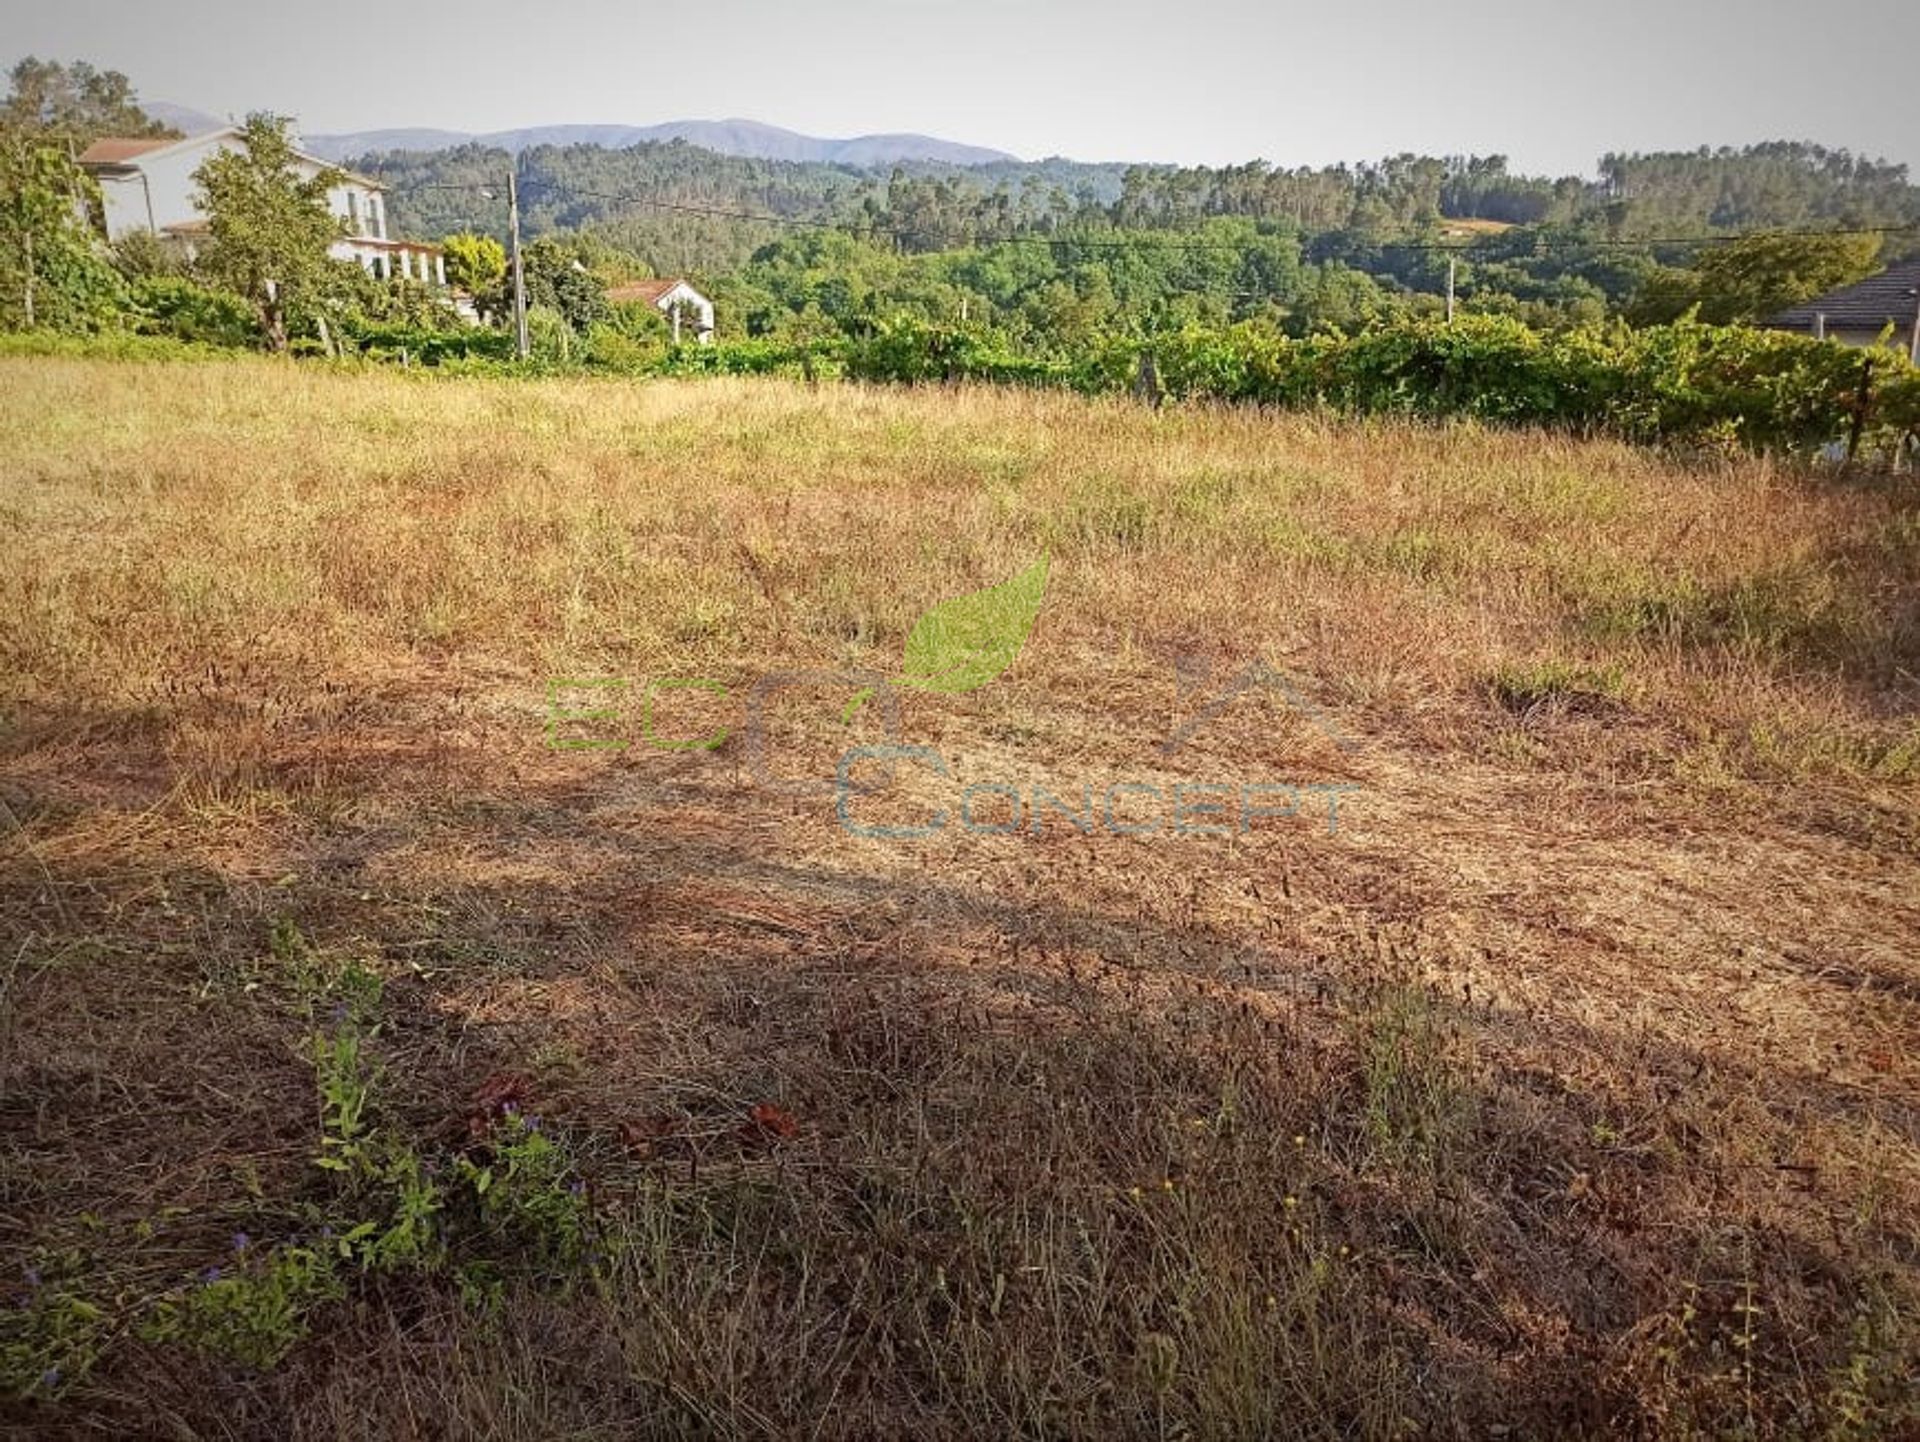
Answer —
(1449, 290)
(520, 346)
(1913, 341)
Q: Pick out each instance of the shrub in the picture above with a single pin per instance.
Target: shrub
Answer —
(429, 347)
(1683, 384)
(913, 352)
(252, 1313)
(175, 306)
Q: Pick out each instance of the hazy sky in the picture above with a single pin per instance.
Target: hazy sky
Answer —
(1200, 81)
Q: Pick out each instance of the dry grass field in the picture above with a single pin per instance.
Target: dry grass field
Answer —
(371, 1066)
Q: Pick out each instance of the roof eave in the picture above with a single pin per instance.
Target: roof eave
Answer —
(137, 162)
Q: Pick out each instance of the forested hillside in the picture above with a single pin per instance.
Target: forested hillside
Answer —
(1055, 248)
(1675, 193)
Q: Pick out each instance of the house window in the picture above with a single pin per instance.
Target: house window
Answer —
(353, 210)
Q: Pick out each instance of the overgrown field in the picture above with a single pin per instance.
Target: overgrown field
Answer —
(1421, 940)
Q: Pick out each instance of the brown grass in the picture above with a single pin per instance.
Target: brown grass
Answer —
(1566, 1087)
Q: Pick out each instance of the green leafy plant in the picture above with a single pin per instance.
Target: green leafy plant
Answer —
(345, 1091)
(177, 306)
(51, 273)
(253, 1312)
(51, 1339)
(528, 1194)
(407, 1233)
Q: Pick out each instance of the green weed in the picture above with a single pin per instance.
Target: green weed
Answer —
(253, 1312)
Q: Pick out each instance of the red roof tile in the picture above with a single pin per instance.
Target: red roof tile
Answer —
(119, 152)
(647, 290)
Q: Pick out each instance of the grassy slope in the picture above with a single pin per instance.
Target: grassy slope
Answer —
(1566, 1085)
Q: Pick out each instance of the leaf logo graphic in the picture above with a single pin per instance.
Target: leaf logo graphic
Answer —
(965, 642)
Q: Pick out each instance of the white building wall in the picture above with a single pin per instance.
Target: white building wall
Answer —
(351, 200)
(685, 295)
(162, 193)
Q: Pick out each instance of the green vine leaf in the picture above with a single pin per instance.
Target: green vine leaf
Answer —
(965, 642)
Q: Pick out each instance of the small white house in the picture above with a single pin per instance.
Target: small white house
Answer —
(148, 185)
(673, 298)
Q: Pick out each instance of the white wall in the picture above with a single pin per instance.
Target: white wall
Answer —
(162, 193)
(351, 198)
(685, 295)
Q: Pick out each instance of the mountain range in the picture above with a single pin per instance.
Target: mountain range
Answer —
(749, 138)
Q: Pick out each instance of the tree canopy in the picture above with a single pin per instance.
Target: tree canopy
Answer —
(270, 225)
(74, 105)
(52, 273)
(1754, 276)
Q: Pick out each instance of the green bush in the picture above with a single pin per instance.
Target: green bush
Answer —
(1686, 383)
(174, 306)
(756, 358)
(1761, 389)
(429, 347)
(622, 349)
(911, 352)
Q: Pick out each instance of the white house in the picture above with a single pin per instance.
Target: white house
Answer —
(673, 298)
(148, 185)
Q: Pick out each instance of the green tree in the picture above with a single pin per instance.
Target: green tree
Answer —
(477, 264)
(52, 273)
(74, 104)
(140, 254)
(1754, 276)
(560, 279)
(270, 225)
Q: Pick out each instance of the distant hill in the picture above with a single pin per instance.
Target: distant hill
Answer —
(749, 138)
(183, 118)
(342, 147)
